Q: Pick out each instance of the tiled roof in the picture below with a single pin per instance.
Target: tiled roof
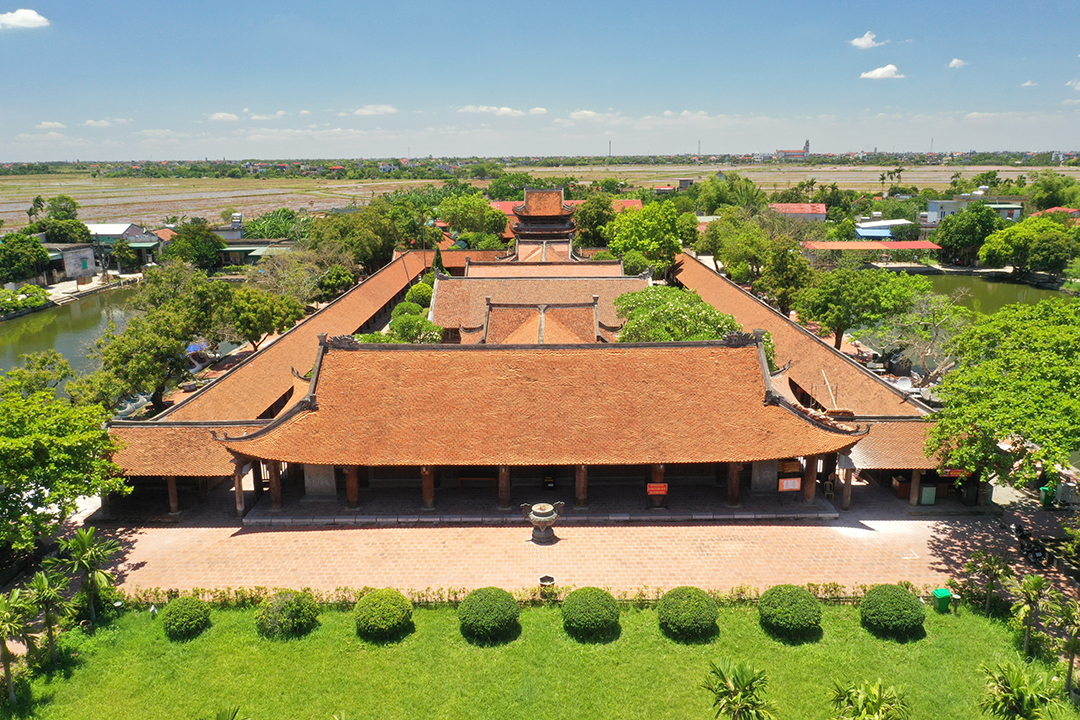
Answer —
(461, 301)
(255, 384)
(541, 405)
(521, 325)
(812, 361)
(542, 203)
(165, 233)
(181, 450)
(550, 251)
(455, 259)
(799, 208)
(894, 446)
(559, 268)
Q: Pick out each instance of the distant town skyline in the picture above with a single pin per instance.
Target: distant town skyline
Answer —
(277, 80)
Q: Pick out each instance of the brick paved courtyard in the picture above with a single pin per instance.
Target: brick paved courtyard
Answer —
(878, 541)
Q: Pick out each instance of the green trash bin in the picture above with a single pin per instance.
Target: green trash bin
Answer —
(942, 598)
(1046, 497)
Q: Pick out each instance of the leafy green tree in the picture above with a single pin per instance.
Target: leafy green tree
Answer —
(736, 241)
(653, 231)
(511, 186)
(85, 555)
(60, 231)
(182, 289)
(844, 299)
(1050, 189)
(1015, 380)
(786, 273)
(592, 217)
(472, 213)
(148, 354)
(483, 241)
(869, 701)
(195, 244)
(62, 207)
(738, 691)
(961, 235)
(13, 620)
(416, 329)
(1033, 594)
(21, 257)
(334, 281)
(668, 314)
(40, 371)
(906, 233)
(280, 224)
(994, 568)
(52, 453)
(47, 595)
(255, 314)
(923, 334)
(1066, 618)
(369, 235)
(35, 208)
(1037, 243)
(124, 255)
(634, 263)
(1016, 692)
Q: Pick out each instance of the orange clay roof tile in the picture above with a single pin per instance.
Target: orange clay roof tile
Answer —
(162, 449)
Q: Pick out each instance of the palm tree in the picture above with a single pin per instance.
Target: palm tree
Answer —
(738, 691)
(1016, 692)
(47, 596)
(899, 172)
(86, 555)
(1066, 617)
(881, 179)
(994, 568)
(869, 701)
(13, 617)
(1032, 593)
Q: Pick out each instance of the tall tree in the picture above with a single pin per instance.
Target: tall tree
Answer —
(13, 619)
(738, 691)
(47, 596)
(85, 555)
(255, 314)
(1015, 381)
(668, 314)
(1033, 594)
(472, 213)
(1037, 243)
(961, 235)
(196, 244)
(21, 257)
(151, 351)
(786, 273)
(1066, 618)
(653, 231)
(35, 208)
(124, 255)
(592, 217)
(62, 207)
(844, 299)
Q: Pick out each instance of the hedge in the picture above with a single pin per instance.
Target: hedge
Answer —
(789, 611)
(687, 613)
(590, 613)
(488, 614)
(185, 618)
(383, 615)
(892, 610)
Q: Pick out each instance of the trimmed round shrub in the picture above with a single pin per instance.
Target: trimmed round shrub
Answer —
(892, 610)
(287, 614)
(687, 613)
(634, 263)
(185, 617)
(790, 611)
(406, 308)
(419, 294)
(382, 615)
(604, 255)
(590, 613)
(488, 614)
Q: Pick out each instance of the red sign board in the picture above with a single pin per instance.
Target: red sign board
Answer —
(789, 467)
(790, 484)
(656, 488)
(954, 473)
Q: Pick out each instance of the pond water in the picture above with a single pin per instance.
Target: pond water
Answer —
(71, 329)
(987, 296)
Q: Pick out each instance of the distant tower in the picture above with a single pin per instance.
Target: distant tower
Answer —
(806, 150)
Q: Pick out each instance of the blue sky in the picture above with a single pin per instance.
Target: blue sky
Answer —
(157, 79)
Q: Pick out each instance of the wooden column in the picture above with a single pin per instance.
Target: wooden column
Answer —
(106, 505)
(238, 486)
(352, 488)
(274, 470)
(427, 483)
(828, 464)
(504, 487)
(733, 470)
(657, 476)
(174, 502)
(916, 481)
(845, 502)
(809, 479)
(257, 478)
(581, 486)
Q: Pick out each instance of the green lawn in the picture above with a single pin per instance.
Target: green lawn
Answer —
(129, 670)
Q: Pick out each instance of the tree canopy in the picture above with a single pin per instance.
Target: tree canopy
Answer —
(961, 235)
(1037, 243)
(255, 314)
(592, 217)
(194, 243)
(61, 207)
(653, 231)
(21, 256)
(472, 213)
(1015, 381)
(669, 314)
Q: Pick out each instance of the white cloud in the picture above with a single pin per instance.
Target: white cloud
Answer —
(866, 41)
(1074, 84)
(98, 123)
(279, 113)
(584, 115)
(497, 111)
(305, 112)
(882, 73)
(538, 111)
(162, 134)
(22, 18)
(957, 63)
(1070, 102)
(46, 125)
(1029, 84)
(375, 110)
(43, 137)
(224, 116)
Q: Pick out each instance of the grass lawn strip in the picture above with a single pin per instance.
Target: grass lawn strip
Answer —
(134, 672)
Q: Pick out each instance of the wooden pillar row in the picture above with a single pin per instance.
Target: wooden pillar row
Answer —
(504, 487)
(174, 501)
(809, 479)
(845, 503)
(427, 484)
(274, 470)
(581, 486)
(257, 478)
(733, 470)
(352, 487)
(916, 483)
(238, 486)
